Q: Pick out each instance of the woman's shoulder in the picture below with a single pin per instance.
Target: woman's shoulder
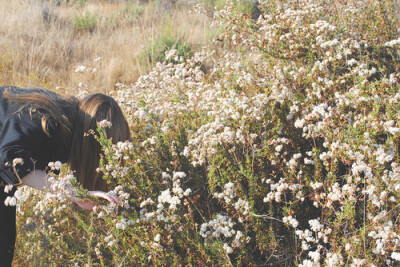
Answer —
(6, 88)
(15, 90)
(6, 107)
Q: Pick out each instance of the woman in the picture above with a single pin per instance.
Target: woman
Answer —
(38, 126)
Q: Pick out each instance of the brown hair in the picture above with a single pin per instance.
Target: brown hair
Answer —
(55, 109)
(76, 118)
(85, 153)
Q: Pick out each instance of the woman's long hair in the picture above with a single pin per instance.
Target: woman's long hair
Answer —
(85, 153)
(57, 111)
(75, 118)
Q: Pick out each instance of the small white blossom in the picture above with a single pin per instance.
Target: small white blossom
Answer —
(10, 201)
(105, 124)
(8, 188)
(17, 161)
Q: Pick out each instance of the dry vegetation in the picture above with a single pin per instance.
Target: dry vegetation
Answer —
(43, 42)
(285, 152)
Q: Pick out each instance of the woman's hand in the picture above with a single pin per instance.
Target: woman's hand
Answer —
(89, 205)
(104, 195)
(84, 203)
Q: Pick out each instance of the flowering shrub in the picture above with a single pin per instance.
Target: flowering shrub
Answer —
(277, 145)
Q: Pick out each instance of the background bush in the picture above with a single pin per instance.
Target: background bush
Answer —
(85, 22)
(156, 50)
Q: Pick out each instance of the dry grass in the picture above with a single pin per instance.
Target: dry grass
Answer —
(42, 46)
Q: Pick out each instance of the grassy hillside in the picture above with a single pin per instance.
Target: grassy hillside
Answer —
(45, 42)
(276, 145)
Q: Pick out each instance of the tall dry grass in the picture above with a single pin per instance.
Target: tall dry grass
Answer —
(41, 45)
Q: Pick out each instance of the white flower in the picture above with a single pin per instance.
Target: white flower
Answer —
(352, 62)
(157, 238)
(333, 260)
(393, 42)
(121, 226)
(8, 188)
(80, 68)
(314, 255)
(227, 248)
(291, 221)
(358, 262)
(170, 53)
(187, 192)
(18, 161)
(393, 130)
(57, 165)
(10, 201)
(395, 256)
(308, 263)
(105, 124)
(180, 175)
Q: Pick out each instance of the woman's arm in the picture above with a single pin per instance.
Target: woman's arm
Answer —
(39, 179)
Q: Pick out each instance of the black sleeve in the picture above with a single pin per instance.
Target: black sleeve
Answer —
(20, 136)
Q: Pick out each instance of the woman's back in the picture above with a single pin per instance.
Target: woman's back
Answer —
(22, 136)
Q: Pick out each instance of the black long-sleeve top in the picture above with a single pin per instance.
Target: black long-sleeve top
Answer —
(22, 136)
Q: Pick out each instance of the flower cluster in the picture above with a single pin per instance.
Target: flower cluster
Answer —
(167, 201)
(222, 227)
(105, 124)
(286, 130)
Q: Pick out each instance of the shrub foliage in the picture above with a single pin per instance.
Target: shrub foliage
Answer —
(277, 145)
